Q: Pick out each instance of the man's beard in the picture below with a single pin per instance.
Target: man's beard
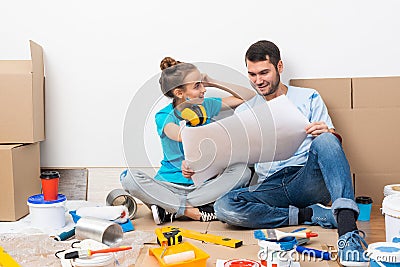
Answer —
(274, 87)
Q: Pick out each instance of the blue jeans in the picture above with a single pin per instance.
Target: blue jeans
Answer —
(276, 201)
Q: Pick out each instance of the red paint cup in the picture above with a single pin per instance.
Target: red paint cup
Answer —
(50, 184)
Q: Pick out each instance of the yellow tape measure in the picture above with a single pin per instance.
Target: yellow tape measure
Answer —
(210, 238)
(169, 237)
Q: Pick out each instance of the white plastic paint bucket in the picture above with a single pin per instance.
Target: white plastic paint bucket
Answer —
(391, 189)
(384, 254)
(277, 253)
(47, 214)
(96, 260)
(391, 210)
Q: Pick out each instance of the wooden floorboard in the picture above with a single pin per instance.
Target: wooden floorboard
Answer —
(73, 183)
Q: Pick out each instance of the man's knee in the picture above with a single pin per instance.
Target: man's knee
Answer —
(222, 206)
(326, 141)
(226, 210)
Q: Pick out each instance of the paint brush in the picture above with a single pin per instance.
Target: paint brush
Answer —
(85, 253)
(273, 234)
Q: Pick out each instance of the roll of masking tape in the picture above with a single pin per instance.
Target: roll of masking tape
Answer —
(118, 197)
(179, 257)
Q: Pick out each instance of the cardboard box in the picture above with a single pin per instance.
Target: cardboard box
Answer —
(375, 140)
(368, 127)
(376, 113)
(19, 179)
(22, 99)
(337, 95)
(336, 92)
(373, 184)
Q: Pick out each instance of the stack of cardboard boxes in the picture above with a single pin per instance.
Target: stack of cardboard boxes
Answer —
(21, 130)
(365, 111)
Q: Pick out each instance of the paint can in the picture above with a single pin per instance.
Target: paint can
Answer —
(96, 260)
(241, 263)
(106, 232)
(99, 261)
(384, 254)
(391, 210)
(47, 214)
(391, 189)
(277, 253)
(119, 197)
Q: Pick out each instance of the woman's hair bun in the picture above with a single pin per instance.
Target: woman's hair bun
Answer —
(168, 62)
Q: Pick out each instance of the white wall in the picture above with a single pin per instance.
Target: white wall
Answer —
(99, 53)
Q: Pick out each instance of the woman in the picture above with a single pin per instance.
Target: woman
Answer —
(172, 194)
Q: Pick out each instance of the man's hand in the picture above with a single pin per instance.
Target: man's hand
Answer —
(186, 171)
(317, 128)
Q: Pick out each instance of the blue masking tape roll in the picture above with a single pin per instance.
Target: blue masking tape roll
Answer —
(65, 235)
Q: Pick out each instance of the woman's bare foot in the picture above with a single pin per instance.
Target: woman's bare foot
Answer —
(193, 213)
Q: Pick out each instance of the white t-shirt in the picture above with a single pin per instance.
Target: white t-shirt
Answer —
(310, 103)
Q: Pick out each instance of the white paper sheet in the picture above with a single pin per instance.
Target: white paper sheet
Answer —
(270, 131)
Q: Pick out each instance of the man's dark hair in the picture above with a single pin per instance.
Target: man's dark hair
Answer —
(260, 50)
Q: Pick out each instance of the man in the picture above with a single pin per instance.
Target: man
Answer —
(293, 191)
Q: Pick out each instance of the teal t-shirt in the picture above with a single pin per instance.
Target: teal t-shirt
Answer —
(170, 170)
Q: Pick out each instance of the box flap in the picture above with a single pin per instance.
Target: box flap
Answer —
(378, 92)
(37, 63)
(38, 90)
(9, 147)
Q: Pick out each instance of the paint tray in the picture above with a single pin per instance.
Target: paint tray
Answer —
(199, 260)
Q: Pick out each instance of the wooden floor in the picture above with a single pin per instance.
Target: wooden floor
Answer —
(375, 228)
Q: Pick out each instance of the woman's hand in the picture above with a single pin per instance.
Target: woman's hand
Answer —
(317, 128)
(186, 171)
(238, 92)
(206, 80)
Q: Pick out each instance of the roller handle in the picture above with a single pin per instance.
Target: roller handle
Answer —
(318, 253)
(65, 235)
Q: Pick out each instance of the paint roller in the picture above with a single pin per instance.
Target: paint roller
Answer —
(179, 257)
